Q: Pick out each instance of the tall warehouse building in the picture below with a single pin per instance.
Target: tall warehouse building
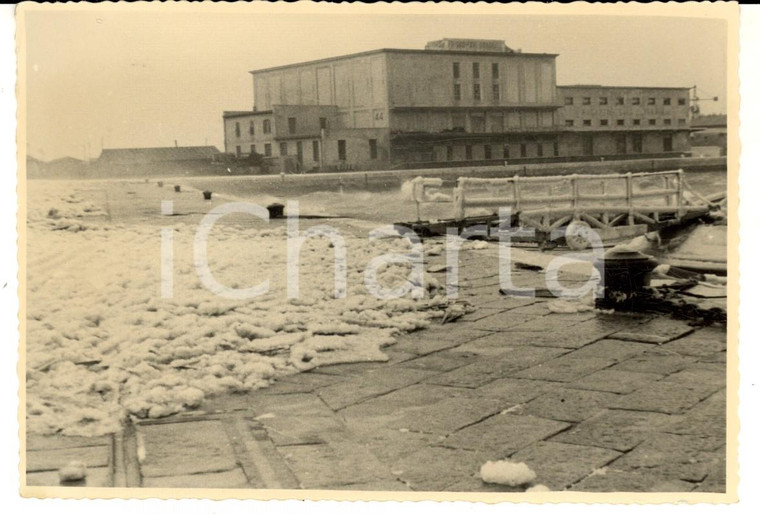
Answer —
(457, 102)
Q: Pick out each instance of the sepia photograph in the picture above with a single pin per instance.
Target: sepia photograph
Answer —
(310, 250)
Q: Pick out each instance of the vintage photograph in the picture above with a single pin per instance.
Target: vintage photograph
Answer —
(310, 250)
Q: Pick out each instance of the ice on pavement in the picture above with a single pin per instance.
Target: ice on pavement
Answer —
(506, 472)
(101, 342)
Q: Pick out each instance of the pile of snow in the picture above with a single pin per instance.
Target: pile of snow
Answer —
(506, 472)
(102, 343)
(69, 212)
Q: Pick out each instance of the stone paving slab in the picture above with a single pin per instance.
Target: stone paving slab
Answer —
(232, 479)
(192, 447)
(663, 396)
(627, 481)
(656, 360)
(323, 466)
(615, 381)
(502, 435)
(566, 368)
(673, 457)
(619, 430)
(54, 459)
(658, 331)
(448, 415)
(573, 405)
(395, 403)
(58, 442)
(516, 390)
(702, 343)
(96, 477)
(488, 369)
(339, 396)
(559, 465)
(445, 360)
(436, 468)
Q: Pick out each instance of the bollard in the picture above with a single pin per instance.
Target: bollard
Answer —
(276, 210)
(160, 184)
(177, 189)
(625, 274)
(207, 195)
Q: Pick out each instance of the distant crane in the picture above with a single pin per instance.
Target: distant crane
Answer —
(695, 99)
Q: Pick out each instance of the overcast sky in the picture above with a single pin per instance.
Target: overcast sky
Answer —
(138, 79)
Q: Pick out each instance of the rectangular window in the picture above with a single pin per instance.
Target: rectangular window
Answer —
(457, 92)
(468, 152)
(299, 152)
(250, 128)
(588, 144)
(238, 151)
(341, 149)
(620, 123)
(253, 149)
(682, 121)
(476, 70)
(568, 100)
(652, 121)
(603, 100)
(556, 149)
(267, 126)
(495, 70)
(620, 143)
(586, 100)
(651, 101)
(476, 91)
(455, 70)
(666, 101)
(237, 129)
(323, 123)
(620, 100)
(496, 92)
(505, 151)
(449, 153)
(586, 123)
(682, 101)
(315, 151)
(373, 148)
(637, 143)
(604, 123)
(523, 150)
(569, 123)
(637, 122)
(267, 150)
(487, 151)
(291, 125)
(540, 149)
(667, 144)
(636, 101)
(284, 148)
(667, 121)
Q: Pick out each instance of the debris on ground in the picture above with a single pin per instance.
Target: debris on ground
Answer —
(506, 472)
(539, 488)
(74, 471)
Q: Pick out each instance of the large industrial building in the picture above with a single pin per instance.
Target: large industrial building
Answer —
(458, 101)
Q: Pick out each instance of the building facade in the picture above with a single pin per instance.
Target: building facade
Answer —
(458, 101)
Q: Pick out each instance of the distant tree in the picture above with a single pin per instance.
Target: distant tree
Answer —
(255, 159)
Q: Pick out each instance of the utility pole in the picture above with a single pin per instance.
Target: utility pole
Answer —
(695, 99)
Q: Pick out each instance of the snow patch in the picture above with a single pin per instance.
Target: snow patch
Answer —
(506, 472)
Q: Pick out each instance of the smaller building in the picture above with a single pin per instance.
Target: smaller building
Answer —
(160, 161)
(709, 137)
(614, 122)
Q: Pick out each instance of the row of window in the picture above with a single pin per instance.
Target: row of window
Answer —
(476, 92)
(621, 122)
(503, 152)
(455, 69)
(620, 100)
(267, 126)
(314, 149)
